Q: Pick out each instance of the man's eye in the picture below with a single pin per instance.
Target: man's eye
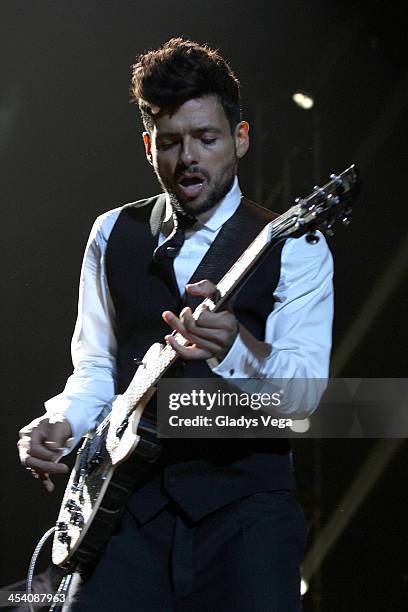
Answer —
(208, 141)
(163, 146)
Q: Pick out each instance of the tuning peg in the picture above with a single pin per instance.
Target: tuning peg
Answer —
(346, 221)
(337, 179)
(319, 191)
(304, 204)
(333, 199)
(327, 227)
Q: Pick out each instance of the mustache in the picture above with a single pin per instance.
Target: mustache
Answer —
(190, 171)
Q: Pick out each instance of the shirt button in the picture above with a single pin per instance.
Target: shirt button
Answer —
(232, 372)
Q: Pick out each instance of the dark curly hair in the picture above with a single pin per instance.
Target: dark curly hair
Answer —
(182, 70)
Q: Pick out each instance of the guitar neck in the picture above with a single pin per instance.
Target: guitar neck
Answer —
(322, 206)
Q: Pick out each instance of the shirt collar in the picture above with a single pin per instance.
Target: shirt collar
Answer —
(216, 217)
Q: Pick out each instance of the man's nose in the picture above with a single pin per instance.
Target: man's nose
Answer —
(188, 153)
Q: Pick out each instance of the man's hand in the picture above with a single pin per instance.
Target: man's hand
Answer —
(41, 445)
(211, 335)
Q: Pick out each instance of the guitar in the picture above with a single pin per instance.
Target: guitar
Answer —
(115, 457)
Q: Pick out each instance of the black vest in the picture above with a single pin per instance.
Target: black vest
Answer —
(200, 476)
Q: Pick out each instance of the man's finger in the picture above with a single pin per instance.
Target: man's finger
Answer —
(47, 482)
(37, 450)
(45, 467)
(198, 335)
(56, 447)
(210, 341)
(217, 320)
(204, 288)
(171, 319)
(44, 478)
(188, 352)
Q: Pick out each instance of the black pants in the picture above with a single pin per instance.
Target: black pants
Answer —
(244, 557)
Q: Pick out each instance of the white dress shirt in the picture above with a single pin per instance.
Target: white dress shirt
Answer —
(297, 336)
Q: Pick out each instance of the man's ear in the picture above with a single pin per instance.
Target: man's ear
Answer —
(148, 147)
(241, 136)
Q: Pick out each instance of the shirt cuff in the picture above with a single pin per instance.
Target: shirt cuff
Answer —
(244, 358)
(75, 413)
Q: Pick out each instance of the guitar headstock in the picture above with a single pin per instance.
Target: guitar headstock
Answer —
(324, 207)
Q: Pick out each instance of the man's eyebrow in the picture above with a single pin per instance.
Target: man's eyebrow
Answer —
(198, 130)
(166, 134)
(207, 128)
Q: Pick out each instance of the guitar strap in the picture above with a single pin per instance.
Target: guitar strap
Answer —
(235, 236)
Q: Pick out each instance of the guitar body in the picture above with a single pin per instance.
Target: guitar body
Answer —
(102, 479)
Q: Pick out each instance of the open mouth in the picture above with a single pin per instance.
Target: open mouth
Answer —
(191, 186)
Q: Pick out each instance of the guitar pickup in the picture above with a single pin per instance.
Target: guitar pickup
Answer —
(72, 506)
(77, 519)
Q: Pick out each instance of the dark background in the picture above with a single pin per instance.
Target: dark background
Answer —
(71, 148)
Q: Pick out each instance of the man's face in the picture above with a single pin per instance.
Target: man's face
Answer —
(194, 154)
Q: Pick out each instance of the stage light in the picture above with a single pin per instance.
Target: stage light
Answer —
(303, 100)
(304, 587)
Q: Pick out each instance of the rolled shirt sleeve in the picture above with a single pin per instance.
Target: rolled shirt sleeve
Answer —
(298, 331)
